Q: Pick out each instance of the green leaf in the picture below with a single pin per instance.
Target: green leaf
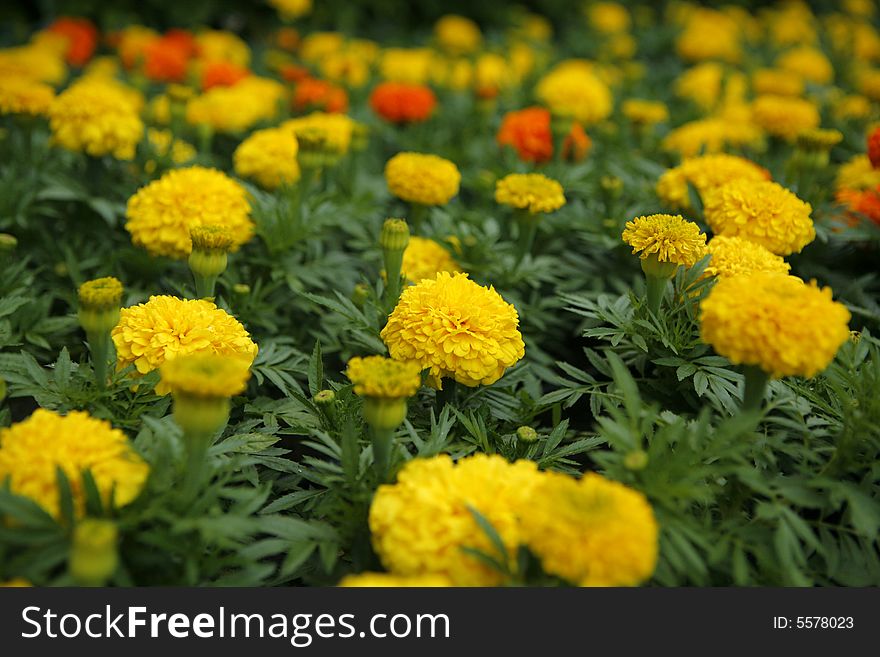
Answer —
(316, 370)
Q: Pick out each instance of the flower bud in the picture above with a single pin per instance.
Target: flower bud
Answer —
(395, 235)
(7, 242)
(526, 435)
(93, 556)
(99, 302)
(241, 289)
(384, 414)
(636, 460)
(360, 294)
(324, 398)
(210, 243)
(653, 268)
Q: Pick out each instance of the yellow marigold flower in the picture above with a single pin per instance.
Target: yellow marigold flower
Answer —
(763, 212)
(776, 322)
(34, 62)
(852, 106)
(206, 375)
(857, 173)
(534, 192)
(456, 328)
(97, 118)
(492, 74)
(573, 90)
(384, 378)
(162, 214)
(420, 524)
(269, 157)
(777, 81)
(32, 450)
(645, 112)
(336, 129)
(290, 9)
(785, 117)
(669, 238)
(725, 44)
(100, 293)
(705, 173)
(220, 45)
(318, 45)
(348, 67)
(413, 65)
(166, 327)
(22, 95)
(457, 35)
(425, 258)
(387, 580)
(422, 178)
(592, 531)
(608, 17)
(808, 63)
(732, 256)
(701, 84)
(239, 107)
(712, 135)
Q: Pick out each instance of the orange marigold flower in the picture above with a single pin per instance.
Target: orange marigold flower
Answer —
(874, 147)
(165, 61)
(528, 131)
(399, 102)
(865, 202)
(313, 94)
(294, 73)
(81, 35)
(222, 74)
(183, 40)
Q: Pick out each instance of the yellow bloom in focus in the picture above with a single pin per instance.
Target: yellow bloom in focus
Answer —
(337, 129)
(269, 157)
(669, 238)
(777, 81)
(34, 62)
(420, 524)
(206, 375)
(808, 63)
(457, 35)
(456, 328)
(534, 192)
(858, 173)
(422, 178)
(761, 211)
(239, 107)
(608, 17)
(425, 258)
(387, 580)
(166, 327)
(32, 450)
(384, 378)
(734, 256)
(96, 118)
(704, 173)
(290, 9)
(413, 65)
(573, 90)
(645, 112)
(161, 215)
(592, 531)
(21, 95)
(776, 322)
(783, 116)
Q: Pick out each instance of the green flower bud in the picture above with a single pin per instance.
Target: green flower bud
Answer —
(384, 414)
(636, 460)
(526, 435)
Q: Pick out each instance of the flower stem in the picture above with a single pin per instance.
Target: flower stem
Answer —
(382, 441)
(197, 445)
(417, 215)
(99, 346)
(756, 384)
(528, 228)
(656, 287)
(204, 286)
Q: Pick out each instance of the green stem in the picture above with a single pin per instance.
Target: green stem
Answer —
(528, 228)
(197, 445)
(204, 286)
(99, 346)
(393, 264)
(656, 287)
(382, 441)
(417, 216)
(756, 384)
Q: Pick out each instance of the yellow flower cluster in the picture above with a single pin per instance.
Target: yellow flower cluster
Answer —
(97, 118)
(100, 293)
(457, 35)
(534, 192)
(22, 95)
(206, 374)
(776, 81)
(269, 157)
(456, 328)
(291, 9)
(704, 173)
(425, 258)
(161, 215)
(645, 112)
(384, 378)
(693, 45)
(713, 135)
(668, 238)
(573, 90)
(34, 62)
(166, 327)
(223, 46)
(412, 65)
(592, 531)
(807, 63)
(422, 178)
(857, 173)
(608, 17)
(733, 256)
(783, 116)
(336, 129)
(774, 321)
(163, 143)
(32, 450)
(761, 211)
(239, 107)
(420, 524)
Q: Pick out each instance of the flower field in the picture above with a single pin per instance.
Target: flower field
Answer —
(334, 294)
